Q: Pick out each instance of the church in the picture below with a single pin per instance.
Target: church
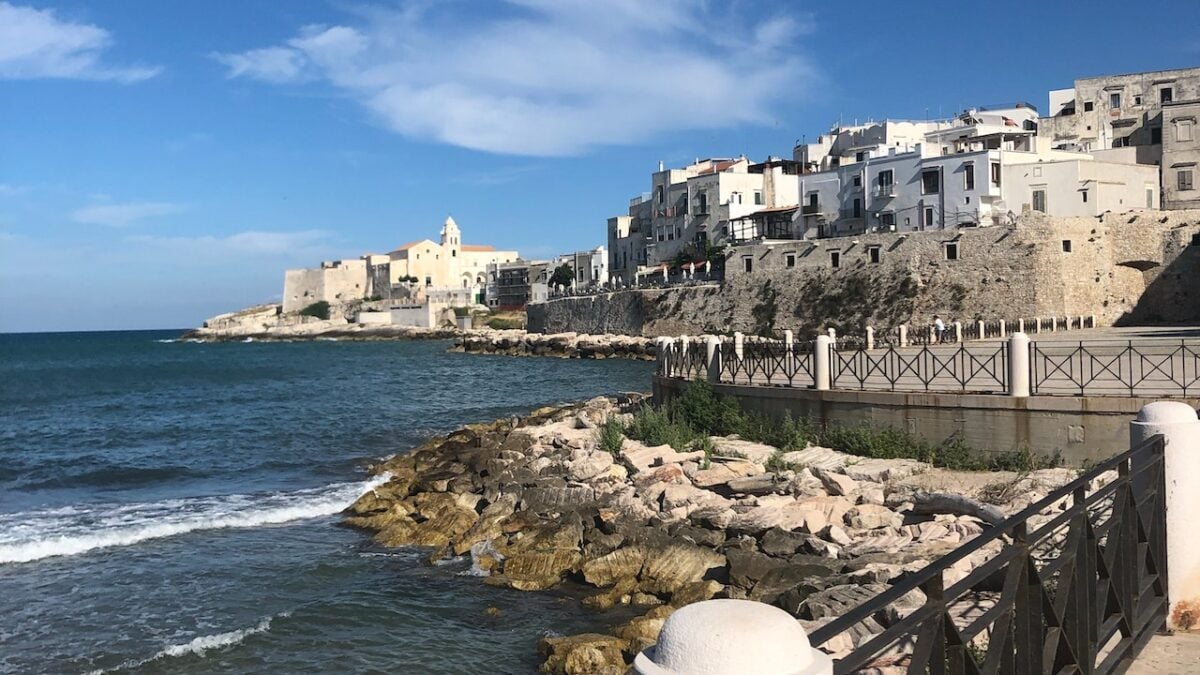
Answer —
(449, 264)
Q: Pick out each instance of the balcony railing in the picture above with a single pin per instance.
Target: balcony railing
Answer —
(884, 191)
(810, 209)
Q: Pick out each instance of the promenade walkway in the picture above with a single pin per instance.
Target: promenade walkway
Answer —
(1177, 654)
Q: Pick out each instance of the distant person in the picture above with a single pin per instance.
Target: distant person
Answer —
(939, 329)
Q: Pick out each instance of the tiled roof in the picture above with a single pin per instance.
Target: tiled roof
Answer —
(479, 248)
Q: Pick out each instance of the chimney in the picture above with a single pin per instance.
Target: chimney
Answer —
(660, 165)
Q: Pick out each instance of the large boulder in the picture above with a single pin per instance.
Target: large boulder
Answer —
(586, 654)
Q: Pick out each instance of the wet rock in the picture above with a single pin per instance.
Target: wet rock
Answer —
(589, 653)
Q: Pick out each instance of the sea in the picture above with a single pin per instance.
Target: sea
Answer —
(173, 507)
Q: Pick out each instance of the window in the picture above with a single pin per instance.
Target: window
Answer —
(1155, 135)
(859, 156)
(886, 180)
(701, 203)
(1137, 100)
(857, 180)
(789, 260)
(812, 199)
(747, 264)
(888, 221)
(835, 259)
(1183, 130)
(928, 212)
(428, 281)
(1149, 198)
(735, 198)
(1183, 179)
(658, 194)
(969, 176)
(1066, 245)
(1114, 100)
(1037, 172)
(1166, 95)
(1087, 106)
(1039, 200)
(951, 250)
(1084, 195)
(453, 253)
(857, 208)
(757, 197)
(1196, 239)
(931, 183)
(873, 254)
(996, 174)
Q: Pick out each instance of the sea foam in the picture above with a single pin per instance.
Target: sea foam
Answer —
(198, 646)
(34, 535)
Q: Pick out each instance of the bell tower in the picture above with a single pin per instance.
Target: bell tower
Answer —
(451, 236)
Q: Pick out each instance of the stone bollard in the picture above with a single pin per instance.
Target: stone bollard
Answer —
(1092, 322)
(1020, 325)
(870, 338)
(789, 346)
(1067, 323)
(683, 351)
(821, 356)
(712, 357)
(1177, 422)
(660, 356)
(1018, 365)
(732, 636)
(982, 329)
(903, 336)
(1054, 324)
(739, 345)
(958, 332)
(1003, 334)
(932, 337)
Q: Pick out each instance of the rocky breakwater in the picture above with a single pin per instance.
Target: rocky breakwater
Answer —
(564, 345)
(539, 501)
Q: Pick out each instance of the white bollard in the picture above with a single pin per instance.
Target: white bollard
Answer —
(903, 336)
(1092, 323)
(1177, 422)
(732, 636)
(739, 344)
(982, 329)
(832, 333)
(1018, 365)
(1020, 325)
(870, 338)
(712, 357)
(789, 344)
(683, 352)
(958, 332)
(660, 356)
(1002, 332)
(1054, 324)
(821, 355)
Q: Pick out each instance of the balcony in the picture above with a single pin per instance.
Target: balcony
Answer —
(810, 210)
(884, 191)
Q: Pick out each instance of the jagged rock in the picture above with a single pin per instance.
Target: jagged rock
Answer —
(608, 570)
(676, 565)
(721, 472)
(877, 544)
(589, 653)
(732, 446)
(815, 457)
(884, 470)
(537, 570)
(585, 465)
(748, 567)
(763, 484)
(838, 484)
(642, 632)
(871, 516)
(836, 535)
(487, 527)
(838, 600)
(782, 543)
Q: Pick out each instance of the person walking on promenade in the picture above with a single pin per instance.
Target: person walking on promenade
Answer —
(939, 328)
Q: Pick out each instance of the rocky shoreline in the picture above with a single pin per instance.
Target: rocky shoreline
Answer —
(537, 501)
(564, 345)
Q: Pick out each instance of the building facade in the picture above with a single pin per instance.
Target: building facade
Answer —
(1181, 155)
(447, 263)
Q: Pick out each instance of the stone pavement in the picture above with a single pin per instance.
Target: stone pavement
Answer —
(1177, 654)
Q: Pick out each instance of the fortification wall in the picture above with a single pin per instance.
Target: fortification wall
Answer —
(1135, 267)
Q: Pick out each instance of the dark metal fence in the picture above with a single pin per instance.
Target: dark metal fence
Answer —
(768, 362)
(1116, 368)
(1081, 578)
(951, 368)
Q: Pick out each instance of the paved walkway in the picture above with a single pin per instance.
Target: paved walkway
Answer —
(1177, 654)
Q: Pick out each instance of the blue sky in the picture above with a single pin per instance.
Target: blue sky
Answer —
(161, 162)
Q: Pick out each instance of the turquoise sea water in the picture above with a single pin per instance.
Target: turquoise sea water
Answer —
(172, 507)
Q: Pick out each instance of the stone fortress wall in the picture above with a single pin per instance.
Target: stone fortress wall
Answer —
(1135, 267)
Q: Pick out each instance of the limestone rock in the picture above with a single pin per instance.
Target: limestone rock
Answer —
(884, 470)
(838, 485)
(871, 516)
(589, 653)
(732, 446)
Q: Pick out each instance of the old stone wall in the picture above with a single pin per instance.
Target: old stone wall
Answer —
(1124, 268)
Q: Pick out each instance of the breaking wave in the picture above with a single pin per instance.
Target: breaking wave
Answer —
(198, 646)
(34, 535)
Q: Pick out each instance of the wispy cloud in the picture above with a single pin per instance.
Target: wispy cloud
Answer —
(250, 242)
(548, 77)
(37, 44)
(123, 214)
(10, 190)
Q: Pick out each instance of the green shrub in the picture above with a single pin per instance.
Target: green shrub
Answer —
(497, 323)
(655, 426)
(319, 309)
(611, 436)
(462, 311)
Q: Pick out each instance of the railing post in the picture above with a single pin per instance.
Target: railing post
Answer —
(739, 344)
(1092, 323)
(821, 355)
(683, 355)
(1180, 428)
(789, 346)
(660, 356)
(1003, 334)
(1018, 365)
(712, 356)
(958, 332)
(732, 636)
(903, 336)
(1020, 325)
(982, 330)
(1054, 324)
(870, 338)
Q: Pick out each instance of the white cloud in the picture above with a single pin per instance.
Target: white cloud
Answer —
(36, 44)
(124, 214)
(250, 242)
(549, 77)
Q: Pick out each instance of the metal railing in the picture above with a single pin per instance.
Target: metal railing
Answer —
(1082, 583)
(956, 368)
(1150, 367)
(767, 362)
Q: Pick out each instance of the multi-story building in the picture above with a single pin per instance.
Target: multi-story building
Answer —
(588, 268)
(448, 263)
(689, 208)
(514, 284)
(1181, 154)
